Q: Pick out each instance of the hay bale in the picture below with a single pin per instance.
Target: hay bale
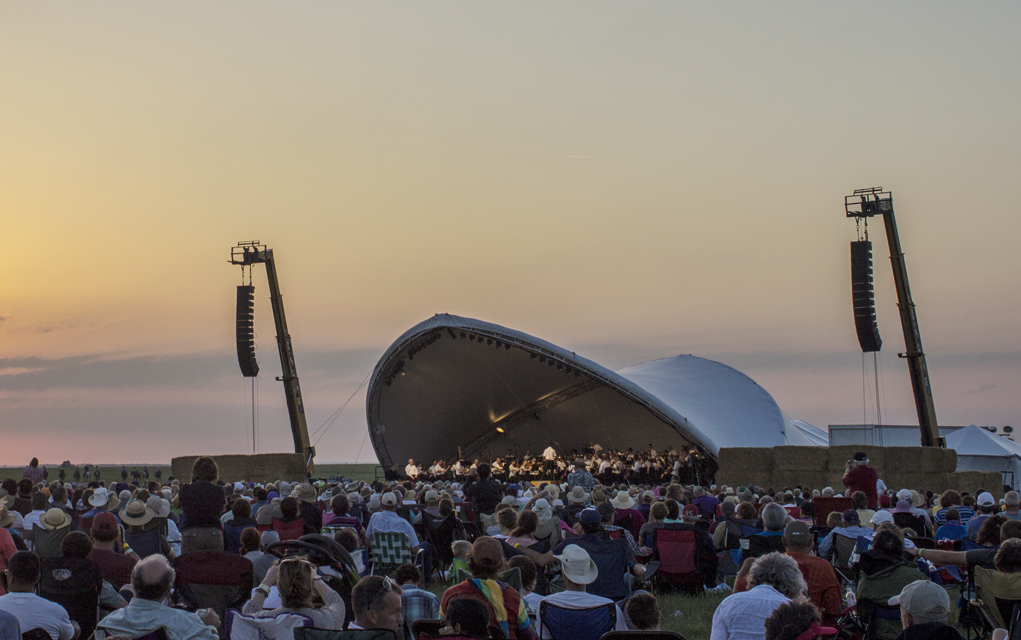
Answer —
(800, 458)
(972, 481)
(744, 465)
(263, 467)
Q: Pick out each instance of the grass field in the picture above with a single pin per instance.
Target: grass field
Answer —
(113, 472)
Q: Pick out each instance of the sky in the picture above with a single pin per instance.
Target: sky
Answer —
(627, 180)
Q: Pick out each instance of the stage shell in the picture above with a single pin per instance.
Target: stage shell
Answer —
(453, 385)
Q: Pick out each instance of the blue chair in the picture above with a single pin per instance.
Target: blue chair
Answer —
(576, 624)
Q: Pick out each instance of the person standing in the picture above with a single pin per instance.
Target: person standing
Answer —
(859, 476)
(33, 472)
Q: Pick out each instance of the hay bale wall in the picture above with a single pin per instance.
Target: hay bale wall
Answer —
(817, 467)
(263, 467)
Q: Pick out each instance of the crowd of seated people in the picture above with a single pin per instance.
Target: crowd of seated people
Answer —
(511, 549)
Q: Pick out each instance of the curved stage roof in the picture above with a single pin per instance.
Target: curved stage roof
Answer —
(453, 382)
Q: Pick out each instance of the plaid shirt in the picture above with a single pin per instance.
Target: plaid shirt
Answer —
(632, 547)
(418, 604)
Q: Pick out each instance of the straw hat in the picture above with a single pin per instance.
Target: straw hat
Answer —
(622, 500)
(554, 490)
(305, 492)
(6, 498)
(577, 565)
(6, 517)
(577, 495)
(55, 518)
(136, 514)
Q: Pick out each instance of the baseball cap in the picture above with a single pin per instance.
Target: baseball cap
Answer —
(985, 499)
(861, 457)
(487, 552)
(589, 517)
(851, 516)
(389, 498)
(104, 522)
(880, 517)
(923, 599)
(797, 531)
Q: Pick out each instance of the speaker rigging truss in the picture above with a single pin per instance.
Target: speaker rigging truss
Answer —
(862, 205)
(247, 254)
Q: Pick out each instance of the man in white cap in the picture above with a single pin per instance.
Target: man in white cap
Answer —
(924, 606)
(578, 570)
(985, 505)
(388, 521)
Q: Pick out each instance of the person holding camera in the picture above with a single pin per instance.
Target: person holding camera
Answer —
(859, 476)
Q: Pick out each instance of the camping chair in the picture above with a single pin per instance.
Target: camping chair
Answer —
(143, 543)
(159, 633)
(677, 552)
(36, 634)
(74, 584)
(389, 551)
(843, 548)
(212, 579)
(312, 633)
(47, 541)
(425, 628)
(793, 512)
(466, 511)
(760, 545)
(232, 538)
(822, 507)
(289, 530)
(512, 578)
(996, 594)
(871, 615)
(913, 522)
(238, 626)
(611, 558)
(441, 533)
(642, 635)
(576, 624)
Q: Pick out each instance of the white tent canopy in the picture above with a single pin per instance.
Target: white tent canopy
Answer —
(981, 450)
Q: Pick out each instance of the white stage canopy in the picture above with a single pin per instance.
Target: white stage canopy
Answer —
(453, 385)
(981, 450)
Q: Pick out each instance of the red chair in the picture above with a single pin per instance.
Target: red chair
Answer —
(823, 507)
(212, 579)
(467, 510)
(676, 553)
(794, 512)
(289, 530)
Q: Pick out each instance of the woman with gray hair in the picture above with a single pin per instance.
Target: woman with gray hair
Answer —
(774, 580)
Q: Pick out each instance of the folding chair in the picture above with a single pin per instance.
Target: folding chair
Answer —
(611, 558)
(512, 578)
(47, 542)
(823, 507)
(881, 621)
(576, 624)
(212, 579)
(312, 633)
(389, 551)
(913, 522)
(238, 626)
(843, 549)
(74, 584)
(760, 545)
(428, 628)
(144, 543)
(642, 635)
(996, 594)
(159, 633)
(677, 552)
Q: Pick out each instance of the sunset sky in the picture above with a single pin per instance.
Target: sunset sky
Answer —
(627, 180)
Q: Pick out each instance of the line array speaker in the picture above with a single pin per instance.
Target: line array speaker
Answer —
(863, 297)
(246, 331)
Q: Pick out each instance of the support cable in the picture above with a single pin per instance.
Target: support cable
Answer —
(336, 414)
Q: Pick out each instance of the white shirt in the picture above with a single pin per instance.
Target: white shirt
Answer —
(742, 616)
(411, 470)
(142, 617)
(550, 453)
(578, 600)
(34, 612)
(389, 522)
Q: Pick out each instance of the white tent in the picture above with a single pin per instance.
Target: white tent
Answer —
(981, 450)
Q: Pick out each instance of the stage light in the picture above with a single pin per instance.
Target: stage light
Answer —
(542, 359)
(489, 341)
(462, 335)
(499, 430)
(471, 336)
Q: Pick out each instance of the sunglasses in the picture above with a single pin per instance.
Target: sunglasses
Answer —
(386, 586)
